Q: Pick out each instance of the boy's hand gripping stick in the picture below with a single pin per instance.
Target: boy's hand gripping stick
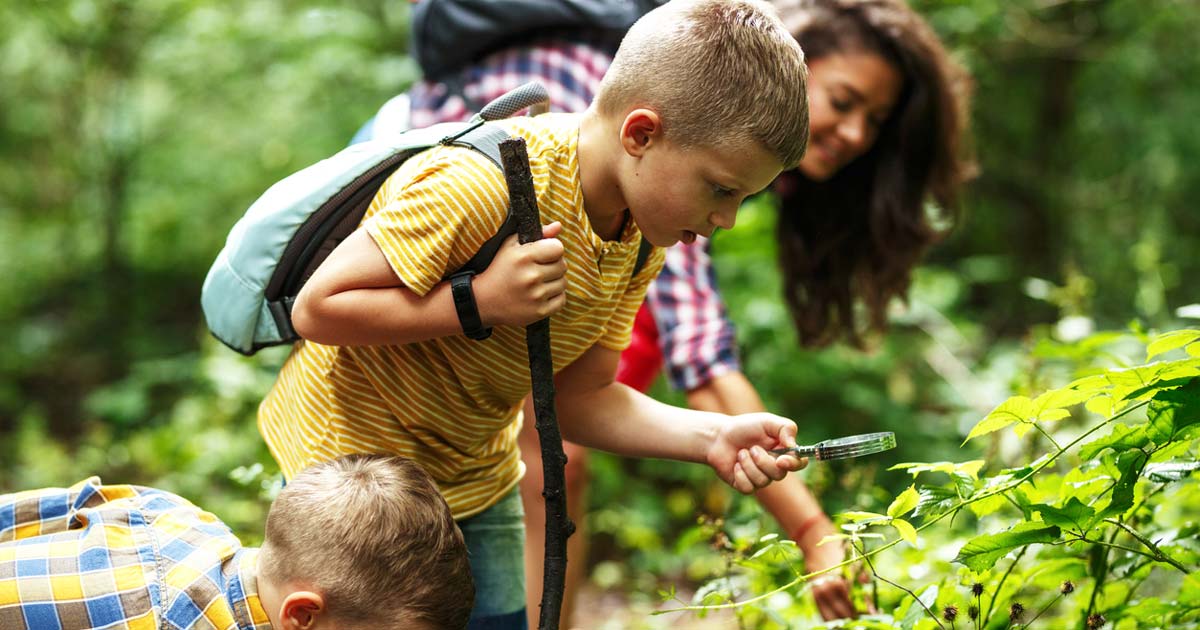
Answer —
(541, 369)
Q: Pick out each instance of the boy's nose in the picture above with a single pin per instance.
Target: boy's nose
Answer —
(725, 217)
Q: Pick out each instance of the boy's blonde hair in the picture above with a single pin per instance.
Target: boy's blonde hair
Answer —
(716, 71)
(372, 534)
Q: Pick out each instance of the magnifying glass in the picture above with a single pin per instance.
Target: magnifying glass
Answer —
(845, 447)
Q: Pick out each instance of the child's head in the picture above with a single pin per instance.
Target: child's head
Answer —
(364, 541)
(717, 72)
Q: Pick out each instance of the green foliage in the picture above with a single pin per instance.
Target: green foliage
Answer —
(1123, 496)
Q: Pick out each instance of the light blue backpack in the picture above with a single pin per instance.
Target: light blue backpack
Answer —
(248, 295)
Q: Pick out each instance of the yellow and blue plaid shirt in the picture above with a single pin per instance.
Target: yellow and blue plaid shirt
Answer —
(121, 557)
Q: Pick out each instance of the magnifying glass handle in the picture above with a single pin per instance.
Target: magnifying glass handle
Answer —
(807, 450)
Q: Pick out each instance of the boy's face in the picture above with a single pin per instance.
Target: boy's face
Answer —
(676, 194)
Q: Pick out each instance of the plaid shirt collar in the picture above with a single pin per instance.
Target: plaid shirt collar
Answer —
(242, 593)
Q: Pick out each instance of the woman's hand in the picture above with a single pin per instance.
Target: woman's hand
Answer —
(830, 590)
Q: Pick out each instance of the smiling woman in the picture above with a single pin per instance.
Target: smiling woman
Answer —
(887, 108)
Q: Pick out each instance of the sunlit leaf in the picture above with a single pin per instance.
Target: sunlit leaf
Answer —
(1057, 399)
(1189, 592)
(935, 500)
(906, 530)
(1170, 411)
(916, 468)
(1102, 406)
(983, 507)
(1013, 410)
(1170, 341)
(982, 552)
(904, 502)
(832, 538)
(971, 468)
(1171, 471)
(858, 517)
(1093, 383)
(1121, 438)
(916, 611)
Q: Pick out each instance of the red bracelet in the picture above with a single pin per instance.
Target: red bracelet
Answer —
(806, 525)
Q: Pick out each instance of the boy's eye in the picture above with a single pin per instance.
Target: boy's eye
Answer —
(840, 105)
(721, 191)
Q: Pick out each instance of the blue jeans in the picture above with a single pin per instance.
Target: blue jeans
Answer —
(496, 546)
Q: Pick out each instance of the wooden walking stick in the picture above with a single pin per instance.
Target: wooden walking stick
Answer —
(541, 370)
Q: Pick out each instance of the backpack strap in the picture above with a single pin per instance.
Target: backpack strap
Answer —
(486, 140)
(644, 250)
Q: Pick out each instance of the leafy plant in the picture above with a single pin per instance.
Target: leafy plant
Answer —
(1104, 505)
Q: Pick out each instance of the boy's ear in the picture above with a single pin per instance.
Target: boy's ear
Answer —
(641, 128)
(301, 610)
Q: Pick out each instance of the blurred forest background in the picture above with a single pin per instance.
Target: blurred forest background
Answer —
(134, 134)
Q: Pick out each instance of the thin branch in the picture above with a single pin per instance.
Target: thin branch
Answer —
(1046, 435)
(1044, 609)
(1158, 553)
(875, 573)
(1000, 584)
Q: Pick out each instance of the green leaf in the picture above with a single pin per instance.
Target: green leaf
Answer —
(858, 517)
(1189, 592)
(916, 468)
(1171, 341)
(971, 467)
(1061, 398)
(1104, 406)
(981, 553)
(1011, 411)
(904, 503)
(1130, 464)
(1171, 471)
(983, 507)
(1121, 438)
(1193, 350)
(1172, 410)
(936, 500)
(906, 530)
(916, 611)
(1074, 514)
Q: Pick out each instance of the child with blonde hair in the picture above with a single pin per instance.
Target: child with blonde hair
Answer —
(704, 105)
(359, 541)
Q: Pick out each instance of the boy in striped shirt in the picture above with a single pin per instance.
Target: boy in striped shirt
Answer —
(363, 541)
(704, 104)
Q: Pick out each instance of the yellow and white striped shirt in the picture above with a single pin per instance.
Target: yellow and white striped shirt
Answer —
(453, 404)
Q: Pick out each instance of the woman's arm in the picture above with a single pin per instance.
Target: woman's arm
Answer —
(789, 501)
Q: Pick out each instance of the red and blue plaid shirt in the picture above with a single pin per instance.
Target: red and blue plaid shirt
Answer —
(121, 558)
(686, 327)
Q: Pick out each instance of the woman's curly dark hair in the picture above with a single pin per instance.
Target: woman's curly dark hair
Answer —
(854, 239)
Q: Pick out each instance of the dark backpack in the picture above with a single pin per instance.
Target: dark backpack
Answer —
(449, 34)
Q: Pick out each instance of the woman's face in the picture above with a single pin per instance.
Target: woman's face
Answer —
(850, 95)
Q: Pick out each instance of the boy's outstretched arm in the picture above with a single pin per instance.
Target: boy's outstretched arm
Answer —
(596, 411)
(355, 298)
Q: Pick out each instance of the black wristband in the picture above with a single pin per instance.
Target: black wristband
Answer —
(464, 303)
